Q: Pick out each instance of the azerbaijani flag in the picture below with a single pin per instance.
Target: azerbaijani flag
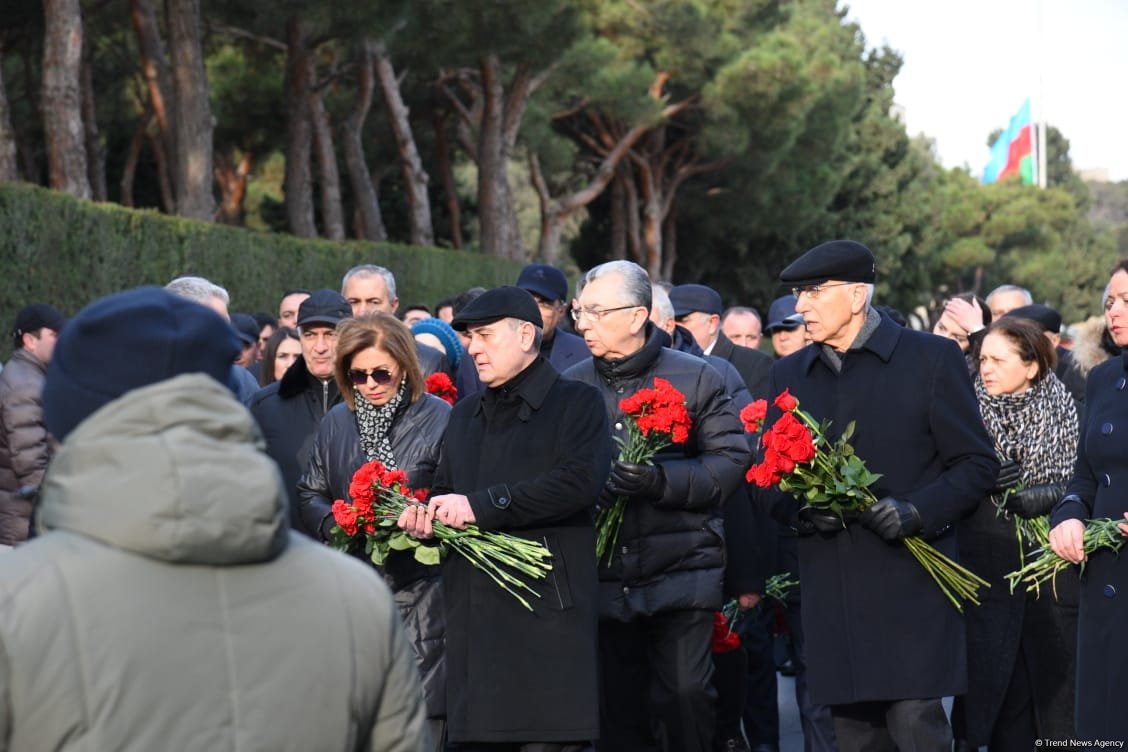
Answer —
(1013, 152)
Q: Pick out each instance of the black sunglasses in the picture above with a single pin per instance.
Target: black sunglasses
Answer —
(359, 377)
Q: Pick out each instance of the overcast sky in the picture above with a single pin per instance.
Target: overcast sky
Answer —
(969, 64)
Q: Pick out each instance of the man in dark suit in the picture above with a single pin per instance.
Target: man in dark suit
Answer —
(698, 308)
(549, 287)
(884, 644)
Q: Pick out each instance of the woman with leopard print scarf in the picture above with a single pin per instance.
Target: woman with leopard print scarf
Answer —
(1021, 647)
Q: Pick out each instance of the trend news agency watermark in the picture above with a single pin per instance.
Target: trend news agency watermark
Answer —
(1079, 743)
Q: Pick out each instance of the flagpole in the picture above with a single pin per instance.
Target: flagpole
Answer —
(1040, 169)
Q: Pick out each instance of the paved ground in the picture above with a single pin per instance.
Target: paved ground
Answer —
(790, 732)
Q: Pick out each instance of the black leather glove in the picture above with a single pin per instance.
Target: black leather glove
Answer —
(812, 520)
(1010, 473)
(892, 519)
(607, 497)
(1034, 501)
(636, 481)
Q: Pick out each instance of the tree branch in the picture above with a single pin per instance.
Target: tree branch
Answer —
(234, 31)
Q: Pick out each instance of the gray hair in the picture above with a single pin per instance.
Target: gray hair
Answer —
(371, 270)
(869, 295)
(198, 290)
(1027, 298)
(661, 305)
(538, 332)
(636, 289)
(741, 309)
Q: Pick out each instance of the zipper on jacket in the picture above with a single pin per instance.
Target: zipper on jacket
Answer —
(324, 397)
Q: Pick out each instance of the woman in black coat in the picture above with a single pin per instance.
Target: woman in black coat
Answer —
(386, 416)
(1020, 648)
(1096, 491)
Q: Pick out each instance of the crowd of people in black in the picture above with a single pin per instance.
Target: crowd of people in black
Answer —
(169, 470)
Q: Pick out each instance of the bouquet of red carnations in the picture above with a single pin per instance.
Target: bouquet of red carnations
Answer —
(440, 385)
(380, 496)
(657, 418)
(829, 476)
(1045, 565)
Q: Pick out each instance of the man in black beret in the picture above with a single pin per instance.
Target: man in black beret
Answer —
(883, 642)
(290, 410)
(527, 455)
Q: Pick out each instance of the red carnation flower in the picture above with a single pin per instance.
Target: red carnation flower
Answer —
(345, 516)
(752, 416)
(786, 402)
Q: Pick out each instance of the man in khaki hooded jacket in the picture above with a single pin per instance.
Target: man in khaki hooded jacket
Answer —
(166, 604)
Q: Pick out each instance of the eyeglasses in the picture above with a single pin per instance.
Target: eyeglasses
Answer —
(596, 315)
(359, 376)
(814, 290)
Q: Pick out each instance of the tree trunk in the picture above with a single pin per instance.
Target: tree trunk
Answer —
(328, 176)
(95, 148)
(131, 156)
(619, 215)
(164, 172)
(414, 176)
(371, 223)
(495, 204)
(299, 134)
(62, 99)
(669, 245)
(634, 225)
(232, 181)
(158, 81)
(30, 162)
(454, 211)
(9, 163)
(192, 115)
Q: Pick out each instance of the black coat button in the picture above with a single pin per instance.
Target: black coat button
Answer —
(1106, 481)
(1110, 591)
(1106, 428)
(1121, 383)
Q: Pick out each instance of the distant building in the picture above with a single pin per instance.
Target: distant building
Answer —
(1094, 174)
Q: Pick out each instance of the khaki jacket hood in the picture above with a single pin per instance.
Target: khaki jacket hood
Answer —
(174, 471)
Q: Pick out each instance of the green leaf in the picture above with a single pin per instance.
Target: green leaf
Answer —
(429, 555)
(379, 555)
(402, 542)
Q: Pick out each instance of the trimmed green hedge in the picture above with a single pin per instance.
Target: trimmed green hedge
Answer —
(66, 252)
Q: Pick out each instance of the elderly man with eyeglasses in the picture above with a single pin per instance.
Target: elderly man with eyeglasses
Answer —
(883, 643)
(664, 582)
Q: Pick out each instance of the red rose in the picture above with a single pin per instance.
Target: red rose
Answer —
(752, 416)
(786, 402)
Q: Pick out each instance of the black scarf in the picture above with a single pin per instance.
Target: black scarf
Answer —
(373, 423)
(1036, 428)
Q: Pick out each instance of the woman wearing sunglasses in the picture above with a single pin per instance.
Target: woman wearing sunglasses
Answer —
(387, 416)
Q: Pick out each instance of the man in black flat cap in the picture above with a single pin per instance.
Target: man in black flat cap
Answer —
(290, 410)
(884, 644)
(698, 308)
(528, 455)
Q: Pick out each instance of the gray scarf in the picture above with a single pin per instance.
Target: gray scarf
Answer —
(869, 326)
(1036, 428)
(373, 423)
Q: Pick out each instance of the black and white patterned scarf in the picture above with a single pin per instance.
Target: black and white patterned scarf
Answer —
(1036, 428)
(374, 422)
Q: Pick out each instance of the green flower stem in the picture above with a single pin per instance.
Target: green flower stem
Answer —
(1045, 565)
(637, 450)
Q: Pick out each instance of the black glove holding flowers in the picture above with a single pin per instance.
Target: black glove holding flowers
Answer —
(892, 519)
(1034, 501)
(812, 520)
(1010, 473)
(636, 481)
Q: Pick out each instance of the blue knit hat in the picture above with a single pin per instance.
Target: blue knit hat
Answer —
(129, 340)
(441, 329)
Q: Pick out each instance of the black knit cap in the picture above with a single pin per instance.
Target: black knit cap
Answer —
(844, 260)
(1042, 315)
(129, 340)
(496, 304)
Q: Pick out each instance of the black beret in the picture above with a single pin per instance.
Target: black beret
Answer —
(687, 299)
(845, 260)
(1042, 315)
(498, 303)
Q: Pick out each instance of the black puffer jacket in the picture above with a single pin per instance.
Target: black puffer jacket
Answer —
(336, 454)
(288, 413)
(25, 446)
(671, 551)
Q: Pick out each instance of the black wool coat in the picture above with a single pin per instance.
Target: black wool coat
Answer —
(752, 365)
(531, 457)
(288, 413)
(1100, 481)
(877, 626)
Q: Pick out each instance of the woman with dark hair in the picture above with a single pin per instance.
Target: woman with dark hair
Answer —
(964, 320)
(1096, 491)
(283, 347)
(1021, 647)
(387, 416)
